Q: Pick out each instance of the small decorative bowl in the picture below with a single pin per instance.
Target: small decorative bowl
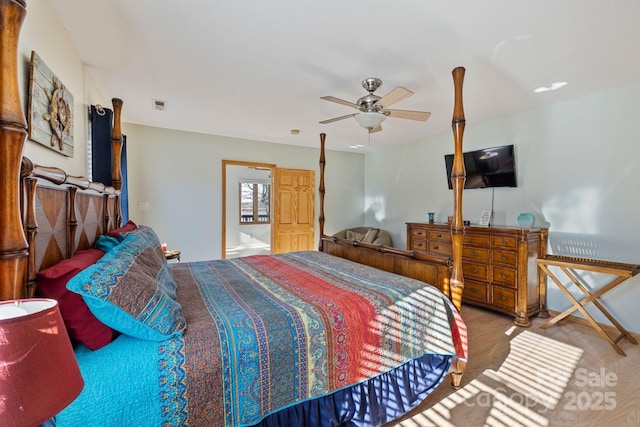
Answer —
(525, 220)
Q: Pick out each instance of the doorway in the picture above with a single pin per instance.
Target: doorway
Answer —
(246, 208)
(250, 224)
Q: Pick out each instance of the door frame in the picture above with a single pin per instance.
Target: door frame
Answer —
(226, 163)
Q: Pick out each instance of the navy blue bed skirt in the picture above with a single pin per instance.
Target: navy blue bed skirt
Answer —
(370, 403)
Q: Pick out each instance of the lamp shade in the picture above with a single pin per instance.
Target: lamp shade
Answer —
(370, 120)
(39, 375)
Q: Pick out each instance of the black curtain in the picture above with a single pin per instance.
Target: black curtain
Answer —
(101, 120)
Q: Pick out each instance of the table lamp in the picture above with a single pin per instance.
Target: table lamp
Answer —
(39, 375)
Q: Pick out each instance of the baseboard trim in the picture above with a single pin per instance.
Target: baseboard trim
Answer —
(609, 329)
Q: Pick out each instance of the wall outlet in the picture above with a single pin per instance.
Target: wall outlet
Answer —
(143, 206)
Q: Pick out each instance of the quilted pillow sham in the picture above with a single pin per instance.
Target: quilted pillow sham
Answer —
(132, 290)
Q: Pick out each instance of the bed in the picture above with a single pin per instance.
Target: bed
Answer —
(349, 335)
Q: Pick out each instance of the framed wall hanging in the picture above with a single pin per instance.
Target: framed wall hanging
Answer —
(485, 219)
(50, 117)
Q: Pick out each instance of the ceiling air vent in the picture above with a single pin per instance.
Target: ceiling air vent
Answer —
(159, 105)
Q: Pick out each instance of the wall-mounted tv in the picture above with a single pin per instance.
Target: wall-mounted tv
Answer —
(487, 168)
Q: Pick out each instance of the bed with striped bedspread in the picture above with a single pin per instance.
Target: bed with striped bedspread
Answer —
(269, 332)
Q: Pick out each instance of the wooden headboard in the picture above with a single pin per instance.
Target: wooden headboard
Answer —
(45, 214)
(61, 215)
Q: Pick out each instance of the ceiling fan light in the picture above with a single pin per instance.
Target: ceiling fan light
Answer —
(370, 120)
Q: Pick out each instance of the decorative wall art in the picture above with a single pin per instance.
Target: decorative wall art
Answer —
(50, 117)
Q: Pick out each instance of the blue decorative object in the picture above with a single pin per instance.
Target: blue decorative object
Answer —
(525, 220)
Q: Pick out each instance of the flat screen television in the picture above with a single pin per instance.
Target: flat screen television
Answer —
(486, 168)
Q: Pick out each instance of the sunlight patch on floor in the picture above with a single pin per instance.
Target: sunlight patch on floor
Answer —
(248, 249)
(530, 382)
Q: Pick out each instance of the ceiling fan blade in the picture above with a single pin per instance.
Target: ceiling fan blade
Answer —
(339, 101)
(408, 114)
(396, 95)
(335, 119)
(378, 129)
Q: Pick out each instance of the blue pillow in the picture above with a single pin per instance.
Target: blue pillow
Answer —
(131, 289)
(106, 243)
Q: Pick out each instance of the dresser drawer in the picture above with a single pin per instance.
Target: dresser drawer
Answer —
(497, 264)
(418, 232)
(502, 297)
(504, 257)
(474, 270)
(475, 240)
(440, 235)
(475, 291)
(506, 276)
(504, 242)
(475, 254)
(418, 245)
(440, 248)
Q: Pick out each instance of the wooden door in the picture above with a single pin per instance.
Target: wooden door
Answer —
(293, 220)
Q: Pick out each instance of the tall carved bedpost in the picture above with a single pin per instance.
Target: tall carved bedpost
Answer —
(458, 177)
(13, 132)
(116, 147)
(321, 189)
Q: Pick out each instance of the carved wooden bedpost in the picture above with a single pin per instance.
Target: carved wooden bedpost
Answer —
(13, 132)
(116, 147)
(321, 190)
(458, 177)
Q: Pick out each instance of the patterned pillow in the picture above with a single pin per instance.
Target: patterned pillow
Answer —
(132, 290)
(352, 235)
(146, 238)
(371, 235)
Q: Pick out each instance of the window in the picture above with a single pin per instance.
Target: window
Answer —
(254, 203)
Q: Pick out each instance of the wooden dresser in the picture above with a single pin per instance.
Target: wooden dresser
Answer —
(498, 264)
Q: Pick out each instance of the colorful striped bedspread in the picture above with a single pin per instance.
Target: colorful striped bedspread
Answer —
(267, 332)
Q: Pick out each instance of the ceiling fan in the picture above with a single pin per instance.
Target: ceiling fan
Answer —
(373, 108)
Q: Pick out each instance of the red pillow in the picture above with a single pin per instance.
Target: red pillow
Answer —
(129, 226)
(81, 324)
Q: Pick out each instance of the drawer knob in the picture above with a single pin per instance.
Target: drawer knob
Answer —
(474, 291)
(474, 253)
(436, 247)
(439, 236)
(503, 276)
(502, 298)
(474, 270)
(503, 257)
(504, 242)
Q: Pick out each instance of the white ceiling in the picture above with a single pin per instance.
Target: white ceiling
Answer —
(257, 69)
